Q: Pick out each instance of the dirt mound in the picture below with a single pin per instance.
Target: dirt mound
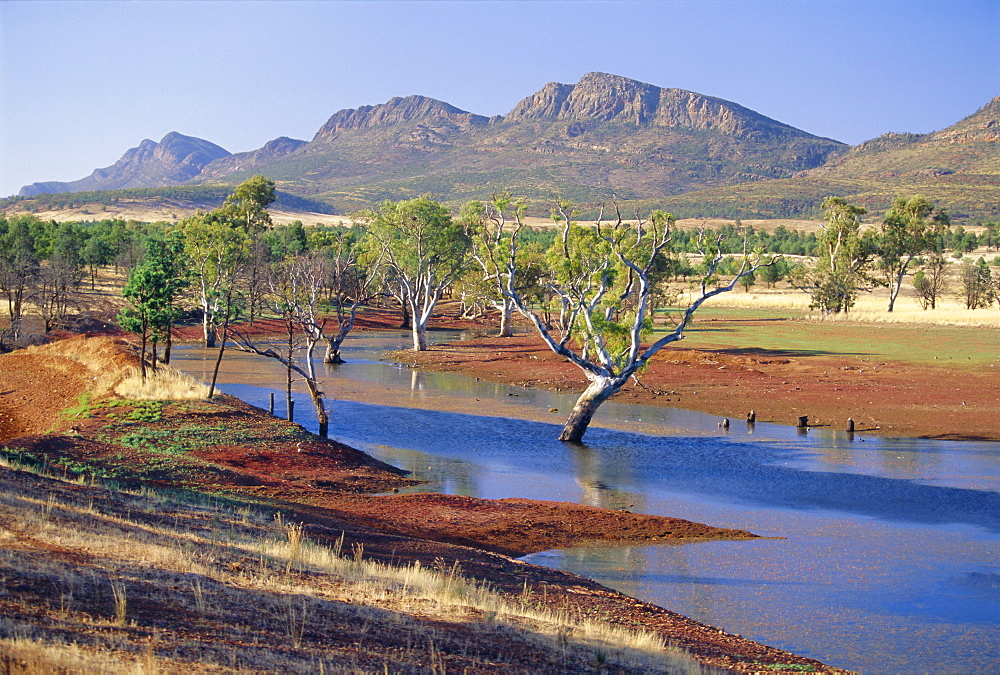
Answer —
(38, 383)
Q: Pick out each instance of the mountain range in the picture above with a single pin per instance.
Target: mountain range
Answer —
(601, 137)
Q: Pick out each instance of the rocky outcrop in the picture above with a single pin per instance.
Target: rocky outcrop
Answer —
(600, 97)
(253, 160)
(982, 125)
(399, 111)
(175, 159)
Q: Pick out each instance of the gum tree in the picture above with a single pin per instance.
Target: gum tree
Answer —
(349, 283)
(844, 257)
(910, 229)
(294, 286)
(18, 268)
(217, 251)
(604, 276)
(424, 251)
(489, 231)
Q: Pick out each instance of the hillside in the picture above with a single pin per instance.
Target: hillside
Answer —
(174, 160)
(604, 135)
(958, 168)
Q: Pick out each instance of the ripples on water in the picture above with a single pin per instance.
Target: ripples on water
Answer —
(888, 557)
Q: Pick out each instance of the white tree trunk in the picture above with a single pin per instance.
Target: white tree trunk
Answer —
(506, 314)
(597, 392)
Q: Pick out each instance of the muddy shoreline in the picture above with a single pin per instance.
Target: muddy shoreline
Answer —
(882, 397)
(249, 455)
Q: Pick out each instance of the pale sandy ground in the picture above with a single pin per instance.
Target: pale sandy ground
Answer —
(173, 213)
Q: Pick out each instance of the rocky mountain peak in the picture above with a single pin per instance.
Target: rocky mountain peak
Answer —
(398, 111)
(175, 159)
(602, 97)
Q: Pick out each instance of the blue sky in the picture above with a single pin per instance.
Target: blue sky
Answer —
(81, 82)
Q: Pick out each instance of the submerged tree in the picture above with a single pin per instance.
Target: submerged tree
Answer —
(349, 284)
(604, 277)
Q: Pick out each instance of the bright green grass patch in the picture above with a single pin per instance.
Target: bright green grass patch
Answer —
(788, 333)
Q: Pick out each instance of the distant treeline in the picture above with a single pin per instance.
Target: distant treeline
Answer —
(198, 196)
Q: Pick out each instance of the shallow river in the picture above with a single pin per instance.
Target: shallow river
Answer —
(884, 556)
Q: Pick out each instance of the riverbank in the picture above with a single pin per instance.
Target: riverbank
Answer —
(884, 397)
(238, 454)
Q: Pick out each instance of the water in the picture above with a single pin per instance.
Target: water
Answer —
(887, 557)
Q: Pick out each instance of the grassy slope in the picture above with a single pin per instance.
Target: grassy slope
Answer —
(788, 332)
(98, 580)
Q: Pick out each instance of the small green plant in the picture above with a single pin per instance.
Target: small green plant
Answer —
(791, 667)
(82, 408)
(146, 411)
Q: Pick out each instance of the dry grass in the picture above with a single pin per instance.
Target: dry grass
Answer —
(869, 308)
(87, 577)
(163, 384)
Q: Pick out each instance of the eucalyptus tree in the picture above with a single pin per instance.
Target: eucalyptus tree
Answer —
(910, 228)
(219, 244)
(217, 251)
(489, 231)
(247, 204)
(424, 251)
(490, 226)
(61, 274)
(350, 282)
(844, 258)
(96, 253)
(976, 284)
(19, 266)
(604, 277)
(246, 208)
(295, 287)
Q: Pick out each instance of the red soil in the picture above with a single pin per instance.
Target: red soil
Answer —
(254, 456)
(888, 398)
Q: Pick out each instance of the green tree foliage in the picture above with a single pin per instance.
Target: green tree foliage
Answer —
(151, 292)
(18, 268)
(61, 274)
(220, 244)
(216, 250)
(976, 284)
(844, 258)
(423, 248)
(604, 278)
(910, 228)
(490, 229)
(247, 205)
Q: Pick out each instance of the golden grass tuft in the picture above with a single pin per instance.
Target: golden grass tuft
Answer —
(259, 581)
(163, 384)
